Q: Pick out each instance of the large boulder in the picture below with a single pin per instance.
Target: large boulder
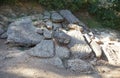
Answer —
(22, 32)
(44, 49)
(78, 45)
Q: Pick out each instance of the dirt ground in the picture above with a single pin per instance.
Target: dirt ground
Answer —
(15, 63)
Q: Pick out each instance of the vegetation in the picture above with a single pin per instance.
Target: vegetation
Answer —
(105, 11)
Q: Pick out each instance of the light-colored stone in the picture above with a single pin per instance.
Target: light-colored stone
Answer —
(47, 34)
(78, 45)
(87, 37)
(75, 27)
(61, 37)
(96, 49)
(62, 52)
(79, 65)
(56, 17)
(112, 52)
(22, 32)
(49, 24)
(44, 49)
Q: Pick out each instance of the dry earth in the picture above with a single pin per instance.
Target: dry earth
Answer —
(15, 63)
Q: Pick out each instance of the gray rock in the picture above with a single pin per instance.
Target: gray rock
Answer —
(1, 30)
(62, 52)
(55, 61)
(79, 65)
(61, 37)
(49, 24)
(47, 34)
(69, 17)
(46, 15)
(22, 32)
(96, 48)
(44, 49)
(56, 17)
(78, 45)
(3, 18)
(39, 31)
(4, 35)
(56, 26)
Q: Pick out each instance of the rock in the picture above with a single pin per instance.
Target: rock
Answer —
(39, 31)
(98, 41)
(55, 61)
(39, 24)
(56, 26)
(96, 49)
(49, 25)
(79, 65)
(1, 30)
(69, 16)
(87, 37)
(46, 15)
(4, 35)
(3, 18)
(61, 37)
(47, 34)
(23, 33)
(112, 52)
(56, 17)
(62, 52)
(78, 45)
(44, 49)
(75, 27)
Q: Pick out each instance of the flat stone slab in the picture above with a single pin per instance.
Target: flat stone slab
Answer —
(96, 48)
(112, 53)
(78, 45)
(44, 49)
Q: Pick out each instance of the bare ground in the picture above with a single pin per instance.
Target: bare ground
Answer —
(15, 63)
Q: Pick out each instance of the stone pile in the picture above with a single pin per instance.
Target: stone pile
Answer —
(60, 39)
